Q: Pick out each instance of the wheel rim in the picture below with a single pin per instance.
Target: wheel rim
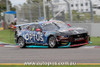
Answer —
(21, 42)
(52, 42)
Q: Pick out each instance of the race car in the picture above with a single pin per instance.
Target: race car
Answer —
(50, 33)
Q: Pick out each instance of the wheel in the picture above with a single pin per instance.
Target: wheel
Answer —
(21, 42)
(52, 42)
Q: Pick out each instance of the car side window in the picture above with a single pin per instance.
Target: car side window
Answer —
(31, 27)
(37, 26)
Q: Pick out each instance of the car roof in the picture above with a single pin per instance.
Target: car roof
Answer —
(26, 24)
(43, 22)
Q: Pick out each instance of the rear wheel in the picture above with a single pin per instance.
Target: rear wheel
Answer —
(21, 42)
(52, 42)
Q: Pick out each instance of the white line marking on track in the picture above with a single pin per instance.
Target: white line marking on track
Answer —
(11, 46)
(88, 47)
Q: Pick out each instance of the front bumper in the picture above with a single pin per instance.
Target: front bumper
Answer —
(74, 41)
(75, 45)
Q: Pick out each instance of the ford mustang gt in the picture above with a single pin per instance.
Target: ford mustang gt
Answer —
(50, 33)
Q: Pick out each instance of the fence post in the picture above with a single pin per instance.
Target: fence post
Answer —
(91, 9)
(44, 10)
(69, 10)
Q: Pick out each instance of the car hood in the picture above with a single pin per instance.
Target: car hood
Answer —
(72, 31)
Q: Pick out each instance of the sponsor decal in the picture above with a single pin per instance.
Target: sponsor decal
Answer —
(78, 39)
(36, 37)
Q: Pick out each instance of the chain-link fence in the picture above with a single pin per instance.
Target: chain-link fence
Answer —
(29, 12)
(75, 11)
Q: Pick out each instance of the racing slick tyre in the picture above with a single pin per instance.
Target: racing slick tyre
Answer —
(21, 42)
(52, 42)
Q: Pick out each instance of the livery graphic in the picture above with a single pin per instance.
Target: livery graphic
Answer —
(50, 33)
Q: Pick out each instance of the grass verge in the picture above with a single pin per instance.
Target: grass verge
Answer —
(7, 36)
(95, 40)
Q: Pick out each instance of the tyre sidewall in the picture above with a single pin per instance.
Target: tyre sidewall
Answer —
(21, 39)
(55, 44)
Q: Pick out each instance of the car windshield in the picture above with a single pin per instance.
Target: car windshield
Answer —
(49, 27)
(62, 25)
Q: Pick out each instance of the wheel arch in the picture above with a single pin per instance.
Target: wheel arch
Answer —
(49, 37)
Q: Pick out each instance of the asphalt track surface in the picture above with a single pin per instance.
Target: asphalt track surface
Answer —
(78, 55)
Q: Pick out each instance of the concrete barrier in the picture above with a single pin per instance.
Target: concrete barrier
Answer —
(93, 28)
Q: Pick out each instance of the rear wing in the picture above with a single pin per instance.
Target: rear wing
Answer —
(23, 24)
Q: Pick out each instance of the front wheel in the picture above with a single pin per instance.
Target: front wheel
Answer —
(21, 42)
(52, 42)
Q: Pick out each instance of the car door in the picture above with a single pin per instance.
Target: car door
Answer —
(30, 34)
(39, 35)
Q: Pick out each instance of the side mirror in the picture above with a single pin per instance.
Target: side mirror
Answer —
(38, 30)
(69, 25)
